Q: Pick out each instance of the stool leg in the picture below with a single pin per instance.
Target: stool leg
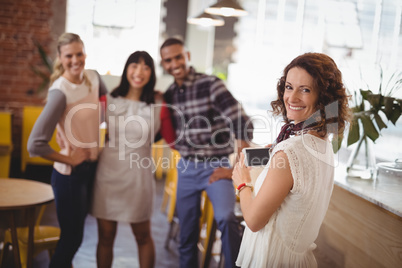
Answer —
(175, 233)
(169, 235)
(221, 260)
(4, 255)
(173, 230)
(31, 230)
(16, 249)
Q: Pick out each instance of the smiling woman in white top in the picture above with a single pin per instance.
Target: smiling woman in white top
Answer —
(291, 195)
(73, 106)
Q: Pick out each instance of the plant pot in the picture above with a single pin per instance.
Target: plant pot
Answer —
(362, 163)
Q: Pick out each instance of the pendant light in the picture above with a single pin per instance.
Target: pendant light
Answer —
(206, 20)
(227, 8)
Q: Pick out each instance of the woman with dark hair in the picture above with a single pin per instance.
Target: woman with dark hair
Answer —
(124, 185)
(147, 93)
(291, 195)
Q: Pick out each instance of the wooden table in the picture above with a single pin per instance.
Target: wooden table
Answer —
(17, 195)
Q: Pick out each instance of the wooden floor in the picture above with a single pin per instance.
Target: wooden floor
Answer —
(125, 250)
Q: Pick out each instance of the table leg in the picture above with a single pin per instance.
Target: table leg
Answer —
(14, 239)
(31, 225)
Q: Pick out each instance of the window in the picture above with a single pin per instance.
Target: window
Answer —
(112, 30)
(360, 35)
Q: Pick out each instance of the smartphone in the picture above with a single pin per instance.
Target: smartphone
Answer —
(256, 156)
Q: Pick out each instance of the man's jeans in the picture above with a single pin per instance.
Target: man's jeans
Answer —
(193, 178)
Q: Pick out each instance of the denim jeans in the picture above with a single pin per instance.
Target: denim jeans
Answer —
(72, 194)
(193, 178)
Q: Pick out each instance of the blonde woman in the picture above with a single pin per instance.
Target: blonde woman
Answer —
(72, 106)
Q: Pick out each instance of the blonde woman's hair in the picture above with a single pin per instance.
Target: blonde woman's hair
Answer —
(58, 70)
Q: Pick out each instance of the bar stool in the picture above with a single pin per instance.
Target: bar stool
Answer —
(169, 191)
(208, 243)
(209, 234)
(169, 197)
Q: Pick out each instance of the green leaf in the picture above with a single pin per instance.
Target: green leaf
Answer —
(365, 93)
(396, 113)
(45, 59)
(357, 109)
(368, 106)
(375, 100)
(369, 128)
(388, 106)
(379, 122)
(354, 132)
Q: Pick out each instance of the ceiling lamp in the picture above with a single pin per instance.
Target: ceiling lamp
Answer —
(206, 20)
(227, 8)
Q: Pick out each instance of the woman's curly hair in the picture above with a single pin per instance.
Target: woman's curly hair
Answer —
(332, 104)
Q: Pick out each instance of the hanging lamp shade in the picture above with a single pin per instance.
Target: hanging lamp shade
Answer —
(227, 8)
(206, 20)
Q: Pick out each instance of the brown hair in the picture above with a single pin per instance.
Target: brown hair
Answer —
(332, 108)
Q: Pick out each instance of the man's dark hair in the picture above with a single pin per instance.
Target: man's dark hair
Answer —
(172, 41)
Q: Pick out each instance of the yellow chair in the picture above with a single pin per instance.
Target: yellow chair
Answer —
(6, 145)
(45, 238)
(208, 232)
(169, 191)
(29, 116)
(157, 155)
(169, 197)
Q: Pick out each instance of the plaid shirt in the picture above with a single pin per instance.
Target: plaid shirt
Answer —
(205, 116)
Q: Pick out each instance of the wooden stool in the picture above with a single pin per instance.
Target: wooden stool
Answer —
(169, 196)
(208, 231)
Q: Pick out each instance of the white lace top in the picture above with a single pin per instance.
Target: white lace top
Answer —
(288, 238)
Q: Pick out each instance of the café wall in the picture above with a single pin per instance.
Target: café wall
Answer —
(22, 23)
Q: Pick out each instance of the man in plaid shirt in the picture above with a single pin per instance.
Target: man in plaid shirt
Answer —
(205, 116)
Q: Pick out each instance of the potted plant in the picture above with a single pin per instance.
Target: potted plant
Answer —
(370, 110)
(44, 71)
